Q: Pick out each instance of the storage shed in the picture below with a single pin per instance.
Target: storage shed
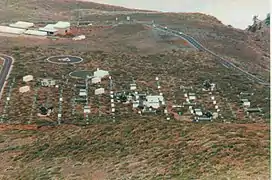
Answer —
(11, 30)
(22, 25)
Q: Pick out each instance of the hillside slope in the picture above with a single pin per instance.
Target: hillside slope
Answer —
(135, 146)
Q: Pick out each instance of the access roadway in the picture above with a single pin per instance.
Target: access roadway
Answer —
(194, 43)
(5, 71)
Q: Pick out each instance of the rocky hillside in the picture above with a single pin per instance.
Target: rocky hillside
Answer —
(261, 30)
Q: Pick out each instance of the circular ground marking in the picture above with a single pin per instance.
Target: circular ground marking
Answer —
(64, 59)
(81, 74)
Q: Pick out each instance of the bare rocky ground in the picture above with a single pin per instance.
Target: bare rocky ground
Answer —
(134, 147)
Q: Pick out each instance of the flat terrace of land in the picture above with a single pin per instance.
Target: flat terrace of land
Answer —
(142, 68)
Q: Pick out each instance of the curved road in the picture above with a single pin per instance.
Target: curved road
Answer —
(6, 68)
(200, 47)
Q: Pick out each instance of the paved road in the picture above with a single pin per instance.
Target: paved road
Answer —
(200, 47)
(8, 61)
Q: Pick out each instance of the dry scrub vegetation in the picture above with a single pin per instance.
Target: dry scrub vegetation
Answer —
(134, 147)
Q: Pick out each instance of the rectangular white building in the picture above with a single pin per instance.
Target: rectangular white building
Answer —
(24, 89)
(22, 25)
(49, 29)
(11, 30)
(27, 78)
(99, 91)
(35, 33)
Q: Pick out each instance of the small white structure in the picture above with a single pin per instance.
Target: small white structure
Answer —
(80, 37)
(216, 107)
(192, 96)
(113, 110)
(99, 91)
(87, 109)
(212, 97)
(27, 78)
(101, 73)
(214, 102)
(128, 18)
(82, 92)
(198, 112)
(133, 87)
(22, 25)
(154, 101)
(11, 30)
(35, 33)
(96, 80)
(186, 95)
(24, 89)
(215, 115)
(246, 104)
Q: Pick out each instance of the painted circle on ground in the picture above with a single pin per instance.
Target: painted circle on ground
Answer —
(81, 74)
(64, 59)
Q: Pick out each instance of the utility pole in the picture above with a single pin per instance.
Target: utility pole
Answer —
(78, 14)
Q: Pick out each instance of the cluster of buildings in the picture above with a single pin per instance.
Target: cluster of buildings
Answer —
(28, 28)
(95, 79)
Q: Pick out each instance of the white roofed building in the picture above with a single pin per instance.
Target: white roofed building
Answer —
(24, 89)
(35, 33)
(11, 30)
(49, 29)
(101, 73)
(63, 27)
(27, 78)
(154, 101)
(22, 25)
(99, 91)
